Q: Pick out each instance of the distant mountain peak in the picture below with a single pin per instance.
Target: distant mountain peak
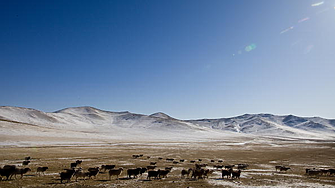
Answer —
(160, 115)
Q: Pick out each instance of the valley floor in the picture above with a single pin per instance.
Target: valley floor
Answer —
(262, 158)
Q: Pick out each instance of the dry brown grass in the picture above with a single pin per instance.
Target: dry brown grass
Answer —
(261, 158)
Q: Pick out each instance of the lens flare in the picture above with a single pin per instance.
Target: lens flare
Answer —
(286, 30)
(308, 49)
(250, 47)
(303, 20)
(317, 4)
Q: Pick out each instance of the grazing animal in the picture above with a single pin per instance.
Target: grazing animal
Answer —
(182, 160)
(324, 172)
(40, 170)
(163, 173)
(115, 172)
(228, 166)
(66, 175)
(107, 167)
(73, 165)
(192, 161)
(24, 163)
(198, 173)
(284, 168)
(200, 160)
(136, 156)
(208, 172)
(220, 161)
(236, 174)
(8, 171)
(143, 170)
(212, 161)
(148, 157)
(278, 167)
(151, 167)
(79, 173)
(27, 158)
(133, 172)
(331, 172)
(226, 173)
(93, 172)
(79, 162)
(186, 172)
(153, 163)
(21, 171)
(218, 166)
(160, 158)
(169, 159)
(242, 166)
(153, 174)
(175, 162)
(313, 172)
(169, 168)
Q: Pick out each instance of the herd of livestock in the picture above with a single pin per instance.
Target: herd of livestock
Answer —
(199, 171)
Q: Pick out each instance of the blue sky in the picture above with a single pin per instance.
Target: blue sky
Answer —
(189, 59)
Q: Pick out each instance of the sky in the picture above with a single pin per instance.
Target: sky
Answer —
(190, 59)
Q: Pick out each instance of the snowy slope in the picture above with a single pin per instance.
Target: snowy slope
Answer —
(89, 120)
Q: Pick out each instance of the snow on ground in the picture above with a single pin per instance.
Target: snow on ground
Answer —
(24, 127)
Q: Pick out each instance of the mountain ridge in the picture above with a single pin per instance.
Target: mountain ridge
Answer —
(90, 119)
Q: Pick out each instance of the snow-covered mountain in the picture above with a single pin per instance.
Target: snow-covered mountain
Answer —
(88, 120)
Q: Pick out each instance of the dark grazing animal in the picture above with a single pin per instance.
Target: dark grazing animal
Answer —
(242, 166)
(79, 173)
(236, 174)
(73, 165)
(278, 167)
(198, 173)
(115, 172)
(27, 158)
(218, 166)
(153, 163)
(186, 172)
(208, 172)
(151, 167)
(212, 161)
(21, 171)
(143, 170)
(192, 161)
(228, 166)
(160, 158)
(136, 156)
(24, 163)
(220, 161)
(107, 167)
(66, 175)
(8, 171)
(284, 168)
(175, 162)
(40, 170)
(169, 168)
(226, 173)
(153, 174)
(133, 172)
(93, 172)
(169, 159)
(314, 172)
(163, 173)
(331, 172)
(182, 160)
(324, 171)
